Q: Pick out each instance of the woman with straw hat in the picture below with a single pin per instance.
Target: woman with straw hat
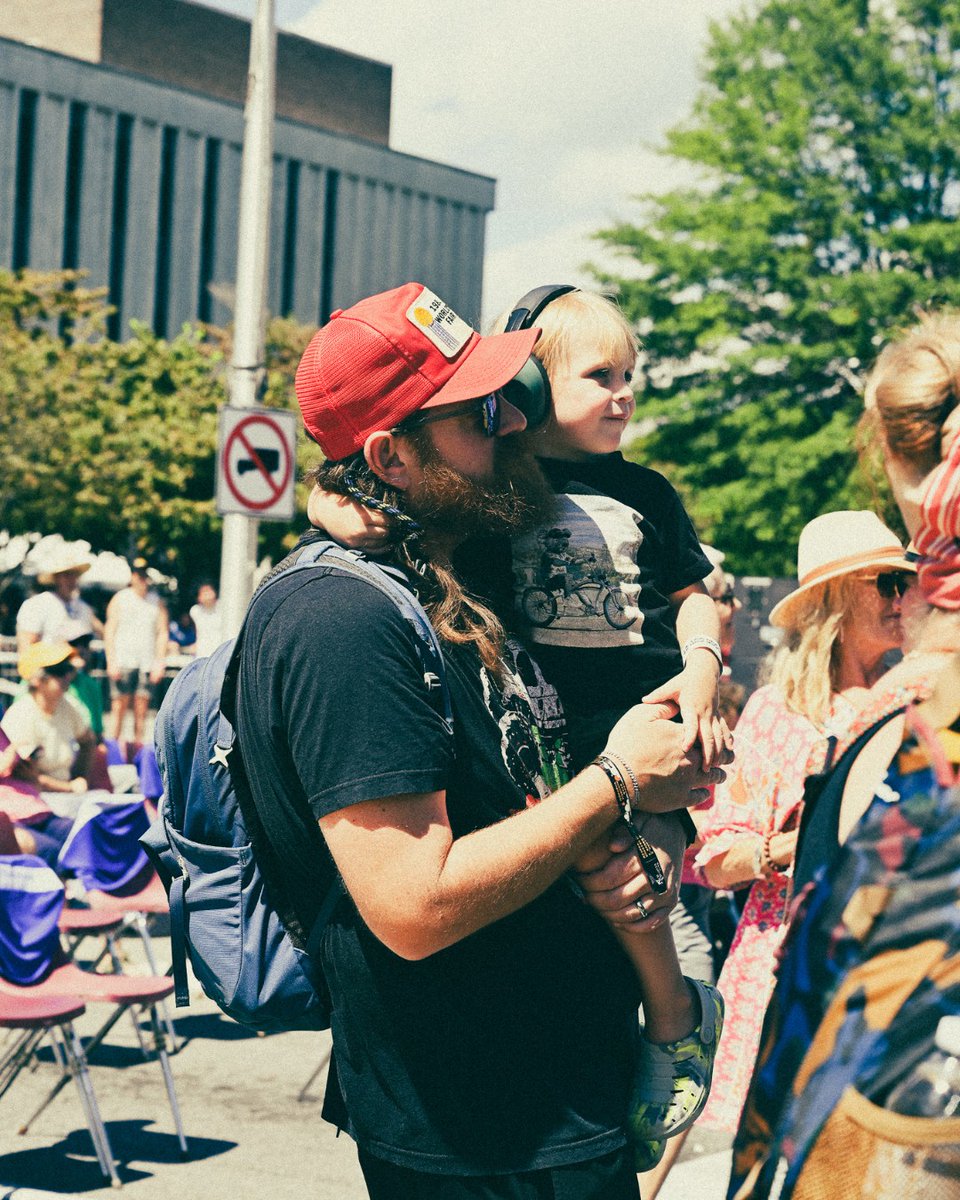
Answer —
(41, 616)
(872, 960)
(839, 624)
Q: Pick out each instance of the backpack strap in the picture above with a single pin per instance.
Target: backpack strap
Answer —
(393, 584)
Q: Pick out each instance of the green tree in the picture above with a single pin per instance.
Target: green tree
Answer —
(824, 161)
(115, 442)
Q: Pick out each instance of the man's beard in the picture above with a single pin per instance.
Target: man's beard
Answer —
(515, 499)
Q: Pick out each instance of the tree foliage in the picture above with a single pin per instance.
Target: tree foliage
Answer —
(824, 152)
(115, 442)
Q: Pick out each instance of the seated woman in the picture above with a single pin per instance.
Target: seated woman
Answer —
(872, 960)
(48, 744)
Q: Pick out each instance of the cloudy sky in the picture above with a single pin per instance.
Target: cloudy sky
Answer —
(562, 101)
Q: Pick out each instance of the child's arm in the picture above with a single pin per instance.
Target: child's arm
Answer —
(695, 689)
(349, 523)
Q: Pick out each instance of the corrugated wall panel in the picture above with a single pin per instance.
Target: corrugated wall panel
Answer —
(9, 106)
(96, 197)
(278, 208)
(187, 223)
(393, 218)
(143, 203)
(308, 267)
(49, 182)
(225, 246)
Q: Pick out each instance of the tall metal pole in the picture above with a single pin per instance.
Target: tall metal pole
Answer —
(239, 552)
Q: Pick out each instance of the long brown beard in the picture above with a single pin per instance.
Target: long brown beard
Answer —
(517, 498)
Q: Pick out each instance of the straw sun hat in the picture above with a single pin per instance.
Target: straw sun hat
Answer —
(39, 655)
(64, 559)
(841, 543)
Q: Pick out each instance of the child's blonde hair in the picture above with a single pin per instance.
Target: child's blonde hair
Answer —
(580, 313)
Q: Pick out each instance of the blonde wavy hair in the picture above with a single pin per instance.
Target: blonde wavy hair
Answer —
(914, 386)
(584, 314)
(805, 667)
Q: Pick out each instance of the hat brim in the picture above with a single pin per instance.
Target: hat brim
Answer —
(46, 578)
(492, 362)
(895, 561)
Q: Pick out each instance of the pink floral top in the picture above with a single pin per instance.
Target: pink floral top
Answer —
(776, 750)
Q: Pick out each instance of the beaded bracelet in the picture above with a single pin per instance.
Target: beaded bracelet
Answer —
(767, 857)
(706, 643)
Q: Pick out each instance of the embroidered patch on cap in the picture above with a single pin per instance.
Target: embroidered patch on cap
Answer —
(437, 321)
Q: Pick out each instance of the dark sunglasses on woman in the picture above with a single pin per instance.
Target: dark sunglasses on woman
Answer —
(893, 583)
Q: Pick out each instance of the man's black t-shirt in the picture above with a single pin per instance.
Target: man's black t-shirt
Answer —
(511, 1050)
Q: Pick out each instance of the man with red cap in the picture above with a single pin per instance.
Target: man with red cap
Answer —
(484, 1016)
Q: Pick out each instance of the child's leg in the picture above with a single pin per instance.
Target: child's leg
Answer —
(669, 1008)
(682, 1023)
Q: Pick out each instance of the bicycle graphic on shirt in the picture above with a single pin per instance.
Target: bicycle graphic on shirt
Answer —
(593, 593)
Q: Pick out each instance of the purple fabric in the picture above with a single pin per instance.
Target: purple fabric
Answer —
(115, 756)
(31, 899)
(151, 784)
(103, 849)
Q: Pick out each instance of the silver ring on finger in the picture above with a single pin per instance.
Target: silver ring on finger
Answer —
(642, 910)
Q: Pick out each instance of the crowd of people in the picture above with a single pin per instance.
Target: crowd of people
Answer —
(528, 997)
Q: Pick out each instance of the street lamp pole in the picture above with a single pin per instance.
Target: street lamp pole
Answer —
(239, 547)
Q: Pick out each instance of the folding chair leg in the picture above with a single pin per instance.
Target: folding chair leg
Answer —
(17, 1057)
(73, 1049)
(62, 1081)
(140, 923)
(168, 1078)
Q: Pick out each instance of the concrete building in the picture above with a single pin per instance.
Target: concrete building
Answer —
(121, 124)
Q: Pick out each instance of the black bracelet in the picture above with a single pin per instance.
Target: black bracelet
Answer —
(645, 852)
(612, 772)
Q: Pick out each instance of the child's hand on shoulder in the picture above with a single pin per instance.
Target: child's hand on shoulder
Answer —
(349, 523)
(694, 691)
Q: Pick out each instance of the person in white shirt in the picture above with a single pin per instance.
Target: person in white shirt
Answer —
(208, 621)
(40, 617)
(135, 641)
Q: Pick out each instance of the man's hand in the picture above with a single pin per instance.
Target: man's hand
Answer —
(613, 879)
(670, 774)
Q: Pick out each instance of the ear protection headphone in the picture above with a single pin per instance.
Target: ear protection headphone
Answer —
(529, 390)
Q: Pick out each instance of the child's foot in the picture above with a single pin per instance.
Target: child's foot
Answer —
(673, 1078)
(646, 1155)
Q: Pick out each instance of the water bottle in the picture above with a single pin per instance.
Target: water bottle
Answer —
(932, 1089)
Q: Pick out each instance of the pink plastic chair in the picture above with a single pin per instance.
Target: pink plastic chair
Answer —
(33, 1017)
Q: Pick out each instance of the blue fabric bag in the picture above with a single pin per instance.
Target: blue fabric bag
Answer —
(221, 913)
(31, 900)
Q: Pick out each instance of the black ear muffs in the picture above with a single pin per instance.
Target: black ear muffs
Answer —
(529, 390)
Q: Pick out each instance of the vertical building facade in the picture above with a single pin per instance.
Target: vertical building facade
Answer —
(120, 146)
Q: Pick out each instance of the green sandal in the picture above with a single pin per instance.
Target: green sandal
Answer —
(673, 1078)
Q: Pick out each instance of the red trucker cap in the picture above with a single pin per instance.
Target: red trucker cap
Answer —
(386, 357)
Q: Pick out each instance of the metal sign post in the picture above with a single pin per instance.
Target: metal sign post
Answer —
(239, 553)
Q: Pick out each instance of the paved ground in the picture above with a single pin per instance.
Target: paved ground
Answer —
(251, 1111)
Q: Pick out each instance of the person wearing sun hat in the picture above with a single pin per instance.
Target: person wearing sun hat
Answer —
(50, 738)
(839, 623)
(40, 615)
(455, 921)
(843, 543)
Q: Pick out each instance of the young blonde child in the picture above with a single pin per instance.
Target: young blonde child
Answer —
(610, 595)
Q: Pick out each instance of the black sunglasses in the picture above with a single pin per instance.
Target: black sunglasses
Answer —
(726, 597)
(486, 407)
(61, 670)
(892, 583)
